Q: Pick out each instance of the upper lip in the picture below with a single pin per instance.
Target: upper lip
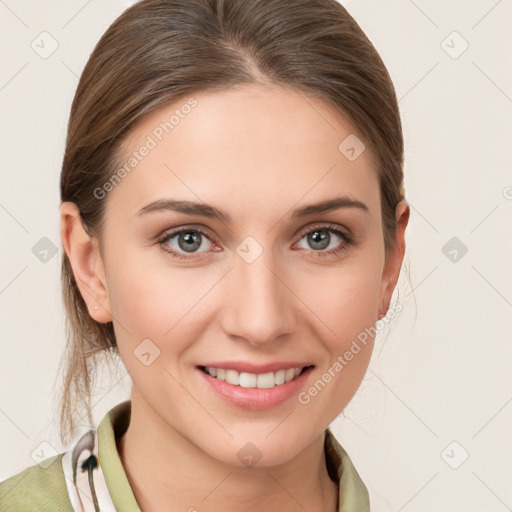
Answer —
(249, 367)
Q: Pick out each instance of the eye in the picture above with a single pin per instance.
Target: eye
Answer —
(183, 243)
(320, 238)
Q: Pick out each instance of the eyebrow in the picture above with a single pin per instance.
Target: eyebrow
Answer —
(206, 210)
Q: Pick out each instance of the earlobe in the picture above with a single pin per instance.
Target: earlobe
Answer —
(394, 260)
(86, 261)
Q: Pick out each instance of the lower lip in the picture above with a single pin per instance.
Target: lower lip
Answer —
(256, 399)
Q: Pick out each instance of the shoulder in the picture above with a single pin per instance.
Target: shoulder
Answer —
(40, 487)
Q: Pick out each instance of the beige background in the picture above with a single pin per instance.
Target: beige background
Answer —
(440, 374)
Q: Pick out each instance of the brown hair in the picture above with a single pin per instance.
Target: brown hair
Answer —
(160, 51)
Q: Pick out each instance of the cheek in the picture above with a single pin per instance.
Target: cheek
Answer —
(150, 301)
(346, 299)
(350, 314)
(156, 301)
(346, 304)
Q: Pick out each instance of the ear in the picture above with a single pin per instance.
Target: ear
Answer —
(394, 259)
(86, 261)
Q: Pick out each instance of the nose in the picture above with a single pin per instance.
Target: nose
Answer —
(259, 306)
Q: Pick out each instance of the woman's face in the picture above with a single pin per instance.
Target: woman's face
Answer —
(256, 282)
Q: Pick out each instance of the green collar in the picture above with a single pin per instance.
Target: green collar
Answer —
(353, 494)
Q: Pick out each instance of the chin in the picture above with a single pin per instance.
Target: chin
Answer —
(258, 450)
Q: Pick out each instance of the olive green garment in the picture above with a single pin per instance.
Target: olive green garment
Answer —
(100, 483)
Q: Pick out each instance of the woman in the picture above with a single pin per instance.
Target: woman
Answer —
(233, 221)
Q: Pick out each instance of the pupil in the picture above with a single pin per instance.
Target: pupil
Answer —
(319, 237)
(191, 241)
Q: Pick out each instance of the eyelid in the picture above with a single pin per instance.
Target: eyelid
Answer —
(324, 225)
(207, 232)
(169, 233)
(340, 231)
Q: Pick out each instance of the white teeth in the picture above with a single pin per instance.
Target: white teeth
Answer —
(253, 380)
(280, 377)
(248, 380)
(290, 374)
(233, 377)
(266, 380)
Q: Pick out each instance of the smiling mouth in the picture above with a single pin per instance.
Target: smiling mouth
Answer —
(254, 380)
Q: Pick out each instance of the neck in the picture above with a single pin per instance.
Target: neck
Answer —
(169, 473)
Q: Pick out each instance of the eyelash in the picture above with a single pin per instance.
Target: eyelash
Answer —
(347, 241)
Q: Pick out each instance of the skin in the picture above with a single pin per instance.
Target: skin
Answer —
(257, 152)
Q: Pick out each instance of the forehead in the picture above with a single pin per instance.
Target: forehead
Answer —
(250, 146)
